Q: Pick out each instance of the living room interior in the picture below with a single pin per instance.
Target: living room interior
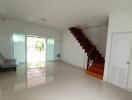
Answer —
(65, 49)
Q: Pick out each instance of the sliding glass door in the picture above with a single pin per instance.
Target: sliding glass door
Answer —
(25, 48)
(19, 47)
(50, 49)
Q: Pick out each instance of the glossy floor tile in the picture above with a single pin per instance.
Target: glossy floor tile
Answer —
(56, 81)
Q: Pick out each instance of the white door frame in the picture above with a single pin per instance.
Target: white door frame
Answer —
(112, 35)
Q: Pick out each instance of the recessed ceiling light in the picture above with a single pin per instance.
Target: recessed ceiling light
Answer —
(43, 19)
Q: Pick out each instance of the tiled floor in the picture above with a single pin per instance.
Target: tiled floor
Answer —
(57, 81)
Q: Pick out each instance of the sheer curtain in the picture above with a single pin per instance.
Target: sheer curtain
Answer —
(19, 47)
(50, 49)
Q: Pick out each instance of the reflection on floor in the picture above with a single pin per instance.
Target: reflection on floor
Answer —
(57, 81)
(25, 77)
(36, 76)
(36, 64)
(36, 73)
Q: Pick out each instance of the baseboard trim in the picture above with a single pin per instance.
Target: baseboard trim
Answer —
(79, 67)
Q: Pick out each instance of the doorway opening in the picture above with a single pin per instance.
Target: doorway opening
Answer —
(19, 47)
(36, 52)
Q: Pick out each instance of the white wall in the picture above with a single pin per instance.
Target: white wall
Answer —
(118, 22)
(10, 26)
(99, 36)
(72, 52)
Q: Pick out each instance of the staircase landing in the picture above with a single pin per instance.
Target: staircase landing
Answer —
(96, 70)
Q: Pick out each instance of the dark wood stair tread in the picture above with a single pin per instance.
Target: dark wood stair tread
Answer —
(98, 76)
(96, 70)
(101, 66)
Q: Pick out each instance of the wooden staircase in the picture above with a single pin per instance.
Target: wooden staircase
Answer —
(95, 63)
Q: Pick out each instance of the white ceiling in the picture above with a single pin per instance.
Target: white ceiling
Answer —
(63, 13)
